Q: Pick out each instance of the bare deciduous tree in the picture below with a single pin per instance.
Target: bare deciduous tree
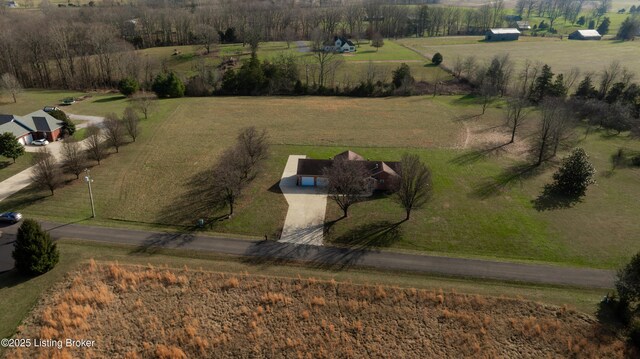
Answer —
(414, 187)
(228, 179)
(74, 159)
(554, 128)
(206, 35)
(95, 148)
(45, 171)
(348, 182)
(131, 123)
(145, 103)
(113, 131)
(252, 148)
(516, 113)
(10, 85)
(324, 59)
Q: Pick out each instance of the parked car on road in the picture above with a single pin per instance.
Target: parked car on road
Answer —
(11, 217)
(40, 142)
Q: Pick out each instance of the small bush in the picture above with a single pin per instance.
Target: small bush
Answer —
(437, 58)
(635, 160)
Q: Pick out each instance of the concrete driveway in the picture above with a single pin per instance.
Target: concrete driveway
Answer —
(307, 206)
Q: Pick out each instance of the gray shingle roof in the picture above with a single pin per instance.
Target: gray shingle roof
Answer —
(41, 121)
(10, 123)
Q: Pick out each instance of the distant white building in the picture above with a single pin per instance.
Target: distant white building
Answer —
(585, 35)
(340, 44)
(12, 4)
(502, 34)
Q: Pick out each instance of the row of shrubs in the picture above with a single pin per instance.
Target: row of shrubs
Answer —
(277, 77)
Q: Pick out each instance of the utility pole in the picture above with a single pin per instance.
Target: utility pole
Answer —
(88, 179)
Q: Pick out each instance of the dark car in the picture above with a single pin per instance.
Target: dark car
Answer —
(11, 217)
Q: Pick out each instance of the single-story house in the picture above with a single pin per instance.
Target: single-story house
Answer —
(384, 174)
(340, 44)
(503, 34)
(33, 126)
(585, 35)
(523, 25)
(12, 4)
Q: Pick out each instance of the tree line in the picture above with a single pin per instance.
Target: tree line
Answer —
(92, 47)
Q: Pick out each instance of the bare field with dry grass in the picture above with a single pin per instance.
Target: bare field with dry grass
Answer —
(170, 313)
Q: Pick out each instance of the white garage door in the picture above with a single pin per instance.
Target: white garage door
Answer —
(26, 139)
(307, 182)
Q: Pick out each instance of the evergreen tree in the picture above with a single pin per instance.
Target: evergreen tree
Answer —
(629, 28)
(10, 147)
(558, 89)
(168, 85)
(574, 176)
(34, 251)
(401, 75)
(603, 29)
(585, 89)
(68, 127)
(128, 86)
(615, 93)
(542, 84)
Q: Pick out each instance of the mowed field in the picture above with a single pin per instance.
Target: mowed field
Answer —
(182, 313)
(561, 55)
(482, 205)
(352, 70)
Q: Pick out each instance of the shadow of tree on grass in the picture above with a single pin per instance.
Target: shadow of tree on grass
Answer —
(476, 155)
(377, 234)
(494, 185)
(194, 203)
(551, 199)
(156, 242)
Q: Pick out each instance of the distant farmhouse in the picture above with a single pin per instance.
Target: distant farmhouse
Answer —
(340, 44)
(34, 126)
(12, 4)
(384, 175)
(504, 34)
(585, 35)
(523, 25)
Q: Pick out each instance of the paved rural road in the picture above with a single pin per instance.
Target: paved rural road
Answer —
(266, 252)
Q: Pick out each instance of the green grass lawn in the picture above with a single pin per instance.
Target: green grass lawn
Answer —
(353, 69)
(8, 168)
(471, 213)
(18, 295)
(477, 209)
(561, 55)
(80, 134)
